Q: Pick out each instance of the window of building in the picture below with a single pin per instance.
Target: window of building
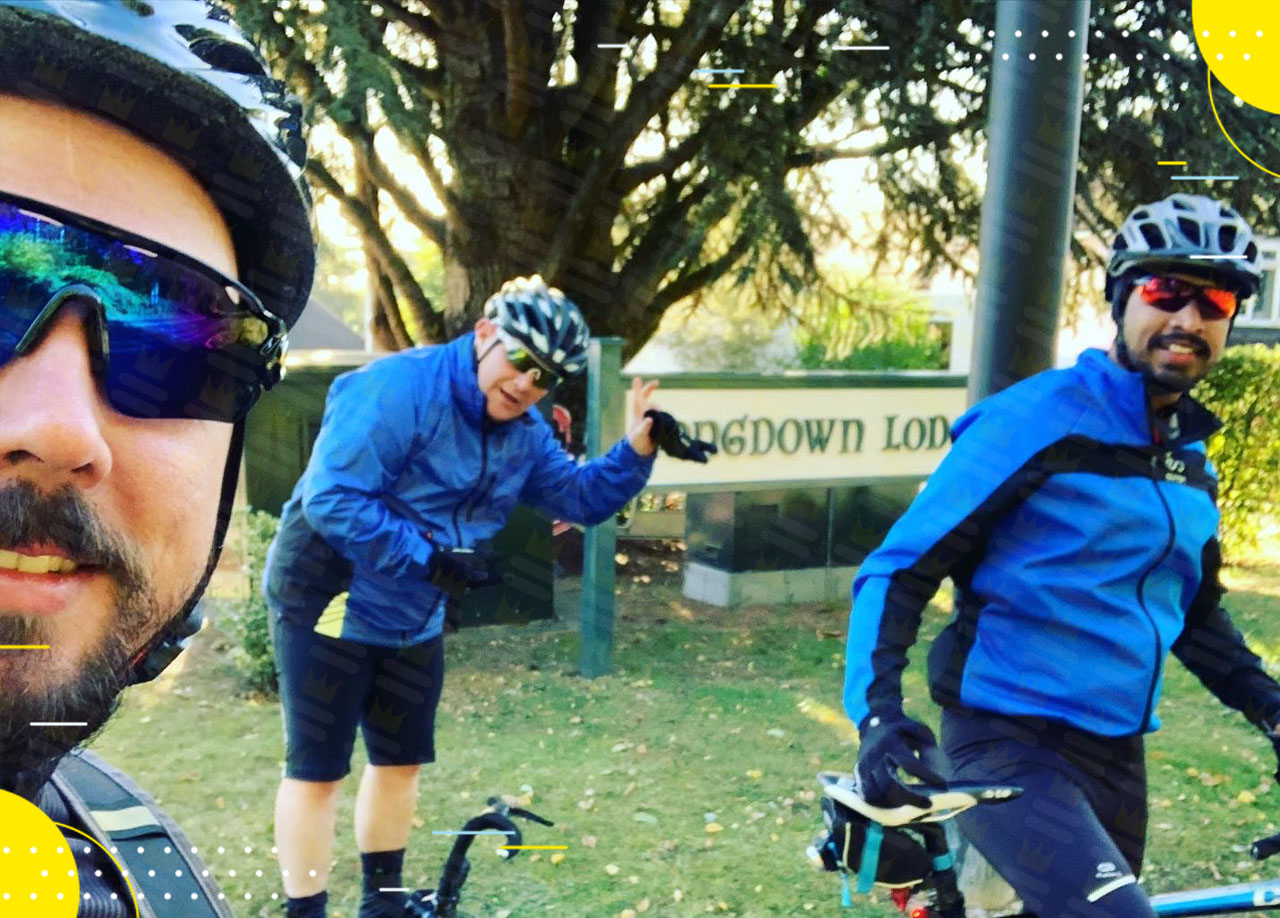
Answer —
(1264, 309)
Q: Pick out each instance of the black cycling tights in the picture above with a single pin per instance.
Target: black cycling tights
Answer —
(1072, 844)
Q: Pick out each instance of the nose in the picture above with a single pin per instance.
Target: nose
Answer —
(1188, 319)
(51, 411)
(524, 382)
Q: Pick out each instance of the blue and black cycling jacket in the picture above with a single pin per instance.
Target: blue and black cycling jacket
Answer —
(1082, 552)
(407, 460)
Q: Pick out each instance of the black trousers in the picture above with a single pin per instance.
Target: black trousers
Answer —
(1072, 844)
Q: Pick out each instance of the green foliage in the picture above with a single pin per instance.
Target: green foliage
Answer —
(51, 265)
(245, 622)
(723, 331)
(1244, 391)
(870, 325)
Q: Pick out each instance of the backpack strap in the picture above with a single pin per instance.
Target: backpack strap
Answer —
(118, 813)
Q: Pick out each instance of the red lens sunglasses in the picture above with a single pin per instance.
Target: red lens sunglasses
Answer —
(1170, 294)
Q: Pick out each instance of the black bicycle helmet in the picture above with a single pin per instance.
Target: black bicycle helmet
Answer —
(181, 75)
(544, 320)
(1188, 234)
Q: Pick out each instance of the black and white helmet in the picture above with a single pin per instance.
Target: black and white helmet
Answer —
(544, 320)
(1189, 233)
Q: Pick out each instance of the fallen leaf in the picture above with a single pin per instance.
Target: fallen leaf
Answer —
(557, 857)
(755, 773)
(588, 841)
(714, 827)
(643, 905)
(611, 869)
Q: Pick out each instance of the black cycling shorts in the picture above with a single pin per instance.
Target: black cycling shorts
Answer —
(329, 685)
(1072, 845)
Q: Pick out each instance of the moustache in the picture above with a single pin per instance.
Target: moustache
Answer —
(63, 521)
(1196, 344)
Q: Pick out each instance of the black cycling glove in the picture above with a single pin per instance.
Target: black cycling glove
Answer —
(665, 432)
(891, 742)
(456, 570)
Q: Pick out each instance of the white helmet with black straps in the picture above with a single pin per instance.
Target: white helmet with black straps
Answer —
(1186, 233)
(544, 320)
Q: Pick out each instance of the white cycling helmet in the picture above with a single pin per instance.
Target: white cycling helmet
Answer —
(544, 320)
(1186, 233)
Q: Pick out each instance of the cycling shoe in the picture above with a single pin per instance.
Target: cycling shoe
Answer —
(418, 904)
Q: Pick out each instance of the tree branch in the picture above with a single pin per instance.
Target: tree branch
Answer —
(430, 80)
(515, 40)
(417, 145)
(426, 26)
(695, 280)
(368, 161)
(629, 178)
(392, 263)
(695, 39)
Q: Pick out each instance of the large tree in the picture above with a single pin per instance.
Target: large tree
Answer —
(623, 176)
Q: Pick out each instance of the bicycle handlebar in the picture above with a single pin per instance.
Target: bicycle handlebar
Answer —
(456, 868)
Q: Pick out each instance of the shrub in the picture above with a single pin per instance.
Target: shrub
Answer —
(244, 622)
(1244, 391)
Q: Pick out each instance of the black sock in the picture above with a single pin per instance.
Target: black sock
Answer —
(308, 907)
(382, 870)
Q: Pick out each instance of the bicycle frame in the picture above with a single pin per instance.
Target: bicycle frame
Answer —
(1242, 898)
(1237, 899)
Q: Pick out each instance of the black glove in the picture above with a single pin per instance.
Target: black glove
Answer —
(665, 432)
(891, 742)
(456, 570)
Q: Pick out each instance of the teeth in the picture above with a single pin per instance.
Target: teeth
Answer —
(36, 564)
(1181, 349)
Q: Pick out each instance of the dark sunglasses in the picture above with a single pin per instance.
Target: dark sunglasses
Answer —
(173, 338)
(1170, 294)
(525, 361)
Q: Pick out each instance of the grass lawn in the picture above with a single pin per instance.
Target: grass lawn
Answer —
(682, 784)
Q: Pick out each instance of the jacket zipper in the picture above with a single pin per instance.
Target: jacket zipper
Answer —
(484, 462)
(1155, 671)
(484, 492)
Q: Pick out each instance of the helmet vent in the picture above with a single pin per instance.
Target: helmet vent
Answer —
(1190, 229)
(1227, 238)
(1151, 233)
(217, 52)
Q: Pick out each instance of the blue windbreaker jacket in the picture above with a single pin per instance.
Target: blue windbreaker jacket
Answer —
(407, 459)
(1081, 551)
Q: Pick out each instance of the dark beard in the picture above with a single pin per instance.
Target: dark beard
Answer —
(28, 755)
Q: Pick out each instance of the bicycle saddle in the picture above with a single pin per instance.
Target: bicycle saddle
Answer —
(943, 802)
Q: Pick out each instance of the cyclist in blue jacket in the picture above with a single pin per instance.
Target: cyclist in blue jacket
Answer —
(1076, 516)
(421, 457)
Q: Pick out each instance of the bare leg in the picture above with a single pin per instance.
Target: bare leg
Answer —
(385, 807)
(306, 818)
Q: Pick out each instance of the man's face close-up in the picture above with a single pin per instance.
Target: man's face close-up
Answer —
(106, 521)
(1179, 348)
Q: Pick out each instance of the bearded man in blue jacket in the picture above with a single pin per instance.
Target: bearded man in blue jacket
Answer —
(420, 459)
(1076, 515)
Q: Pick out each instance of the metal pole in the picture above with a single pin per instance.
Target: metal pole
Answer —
(605, 426)
(1033, 140)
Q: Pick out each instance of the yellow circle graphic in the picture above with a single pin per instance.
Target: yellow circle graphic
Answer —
(1218, 118)
(1240, 41)
(37, 869)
